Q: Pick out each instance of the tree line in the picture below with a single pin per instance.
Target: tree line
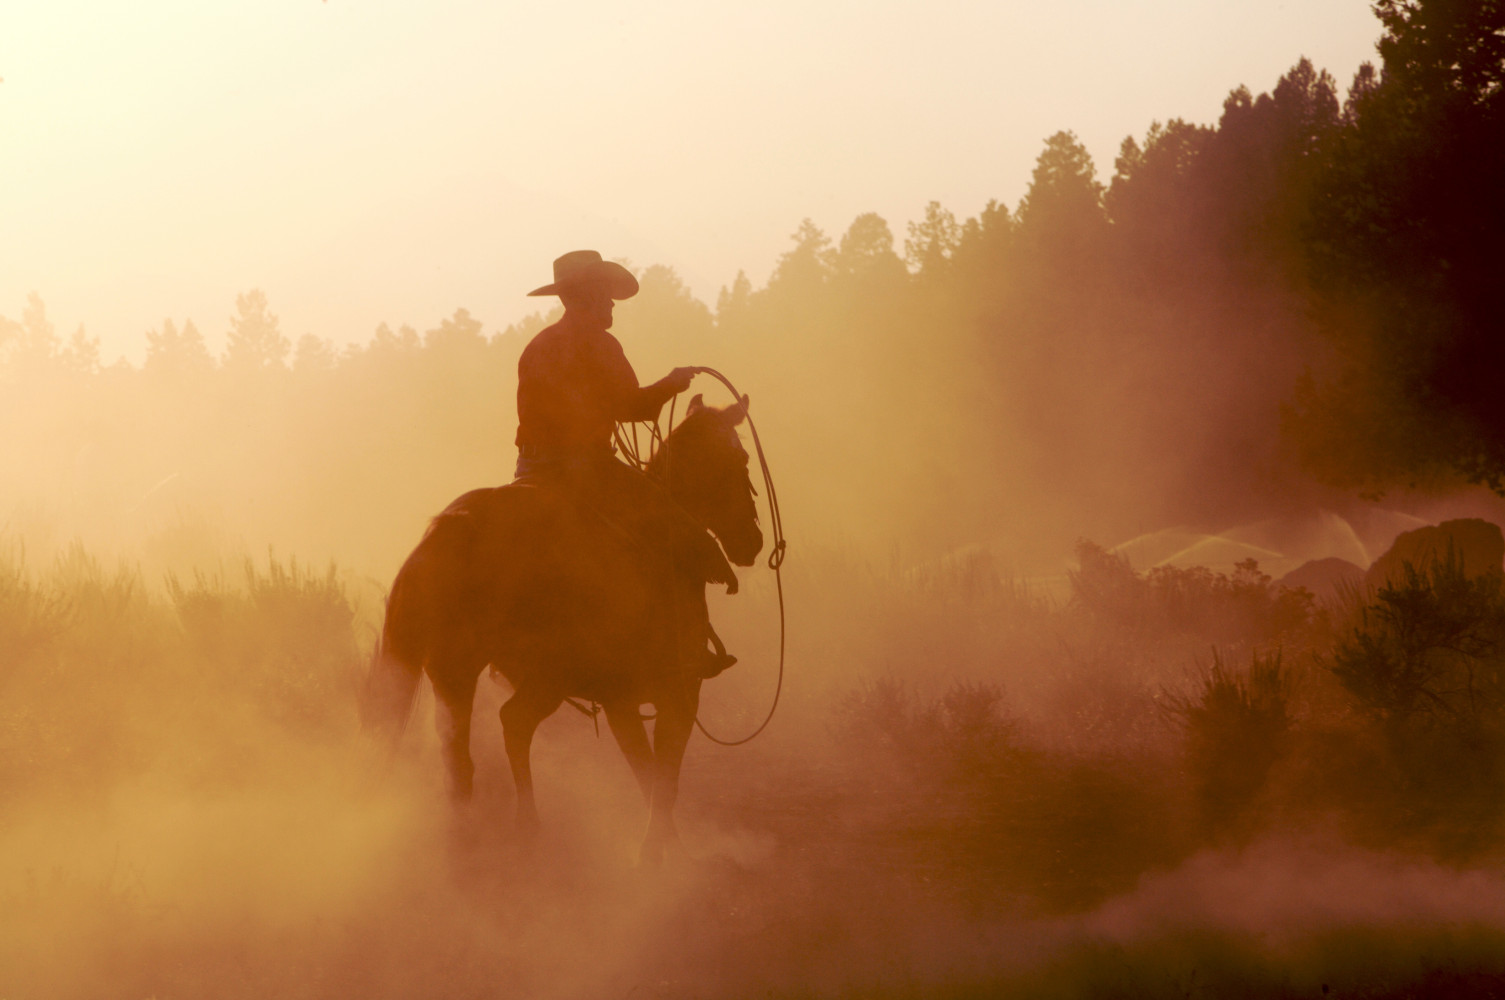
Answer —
(1298, 302)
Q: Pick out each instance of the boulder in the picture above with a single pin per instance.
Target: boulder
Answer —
(1477, 543)
(1324, 578)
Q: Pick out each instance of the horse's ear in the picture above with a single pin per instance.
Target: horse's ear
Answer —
(737, 413)
(696, 403)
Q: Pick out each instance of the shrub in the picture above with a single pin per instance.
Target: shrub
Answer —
(1425, 665)
(1429, 649)
(32, 616)
(1243, 607)
(963, 733)
(286, 638)
(1235, 726)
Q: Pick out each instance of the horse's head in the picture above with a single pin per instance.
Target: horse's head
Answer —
(704, 466)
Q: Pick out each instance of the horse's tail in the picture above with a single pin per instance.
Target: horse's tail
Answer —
(397, 663)
(417, 607)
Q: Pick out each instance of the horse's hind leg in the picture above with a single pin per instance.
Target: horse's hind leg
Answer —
(454, 699)
(520, 718)
(627, 726)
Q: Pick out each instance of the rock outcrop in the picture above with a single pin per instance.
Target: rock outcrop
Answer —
(1478, 544)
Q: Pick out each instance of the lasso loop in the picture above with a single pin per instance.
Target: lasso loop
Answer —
(631, 449)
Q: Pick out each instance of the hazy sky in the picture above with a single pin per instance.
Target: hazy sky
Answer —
(370, 160)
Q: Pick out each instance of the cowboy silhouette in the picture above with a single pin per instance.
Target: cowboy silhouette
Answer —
(574, 384)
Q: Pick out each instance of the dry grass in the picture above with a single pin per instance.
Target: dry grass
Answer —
(982, 792)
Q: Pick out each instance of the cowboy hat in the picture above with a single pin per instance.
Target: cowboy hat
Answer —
(584, 268)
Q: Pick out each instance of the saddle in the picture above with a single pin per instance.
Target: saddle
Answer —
(645, 521)
(635, 511)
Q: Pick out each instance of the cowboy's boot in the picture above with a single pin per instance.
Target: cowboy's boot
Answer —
(718, 659)
(695, 632)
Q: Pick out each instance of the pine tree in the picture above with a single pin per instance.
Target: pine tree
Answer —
(255, 342)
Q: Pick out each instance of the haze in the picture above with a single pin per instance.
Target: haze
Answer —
(1145, 622)
(368, 162)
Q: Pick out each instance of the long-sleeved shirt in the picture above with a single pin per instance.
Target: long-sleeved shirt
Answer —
(574, 383)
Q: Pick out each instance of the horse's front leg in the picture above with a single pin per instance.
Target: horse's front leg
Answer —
(671, 733)
(520, 718)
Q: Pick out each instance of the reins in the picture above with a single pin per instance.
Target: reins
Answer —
(632, 451)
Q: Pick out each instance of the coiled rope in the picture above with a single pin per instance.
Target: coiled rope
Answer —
(630, 447)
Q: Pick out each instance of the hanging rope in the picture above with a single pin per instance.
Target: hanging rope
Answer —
(775, 524)
(775, 563)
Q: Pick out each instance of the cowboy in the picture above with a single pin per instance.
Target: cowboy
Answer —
(574, 384)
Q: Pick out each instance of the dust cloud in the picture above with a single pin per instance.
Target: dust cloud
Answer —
(1052, 723)
(189, 811)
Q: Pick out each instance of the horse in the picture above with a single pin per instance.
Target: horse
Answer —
(565, 605)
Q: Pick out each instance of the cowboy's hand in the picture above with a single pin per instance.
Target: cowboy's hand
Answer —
(679, 379)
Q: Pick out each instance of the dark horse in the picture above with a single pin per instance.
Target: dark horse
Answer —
(565, 604)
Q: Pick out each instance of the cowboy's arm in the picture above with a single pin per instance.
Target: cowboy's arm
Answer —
(648, 400)
(634, 402)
